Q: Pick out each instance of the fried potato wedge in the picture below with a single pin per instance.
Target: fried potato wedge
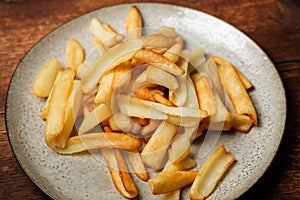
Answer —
(155, 150)
(136, 162)
(99, 114)
(210, 173)
(100, 140)
(71, 112)
(133, 24)
(236, 91)
(109, 60)
(45, 78)
(157, 41)
(159, 61)
(57, 107)
(170, 181)
(75, 55)
(119, 173)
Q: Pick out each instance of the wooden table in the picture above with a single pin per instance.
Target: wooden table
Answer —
(272, 24)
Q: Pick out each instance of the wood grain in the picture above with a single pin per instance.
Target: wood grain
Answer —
(272, 24)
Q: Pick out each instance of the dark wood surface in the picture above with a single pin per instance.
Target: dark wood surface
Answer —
(272, 24)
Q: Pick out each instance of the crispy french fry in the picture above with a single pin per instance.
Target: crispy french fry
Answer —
(105, 88)
(236, 91)
(183, 121)
(57, 105)
(155, 150)
(159, 61)
(75, 55)
(173, 53)
(122, 75)
(161, 77)
(157, 41)
(45, 79)
(119, 38)
(144, 93)
(46, 106)
(99, 114)
(161, 184)
(137, 164)
(242, 123)
(161, 99)
(119, 173)
(133, 24)
(100, 140)
(109, 60)
(71, 112)
(210, 173)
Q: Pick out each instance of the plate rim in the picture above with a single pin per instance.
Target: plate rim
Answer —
(52, 32)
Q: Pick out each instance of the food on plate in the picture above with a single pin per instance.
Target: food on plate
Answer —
(142, 102)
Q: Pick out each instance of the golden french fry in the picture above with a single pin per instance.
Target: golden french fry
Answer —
(105, 88)
(210, 173)
(133, 24)
(161, 99)
(183, 121)
(105, 34)
(236, 91)
(46, 106)
(242, 123)
(118, 37)
(71, 112)
(122, 75)
(187, 163)
(144, 93)
(170, 181)
(161, 77)
(100, 140)
(113, 124)
(157, 41)
(136, 162)
(75, 55)
(99, 114)
(101, 48)
(45, 79)
(159, 61)
(119, 172)
(155, 150)
(57, 106)
(109, 60)
(173, 53)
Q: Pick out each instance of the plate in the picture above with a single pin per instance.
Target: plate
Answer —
(83, 177)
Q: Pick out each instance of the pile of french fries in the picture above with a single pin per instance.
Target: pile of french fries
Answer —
(143, 101)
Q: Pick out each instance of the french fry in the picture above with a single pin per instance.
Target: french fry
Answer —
(119, 173)
(210, 173)
(109, 60)
(71, 112)
(99, 114)
(105, 34)
(161, 99)
(57, 105)
(155, 150)
(242, 123)
(105, 88)
(159, 61)
(137, 164)
(236, 91)
(46, 106)
(161, 184)
(173, 53)
(75, 55)
(100, 140)
(144, 93)
(133, 24)
(45, 79)
(122, 75)
(161, 77)
(119, 38)
(157, 41)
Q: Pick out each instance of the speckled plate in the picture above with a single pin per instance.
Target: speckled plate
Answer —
(83, 177)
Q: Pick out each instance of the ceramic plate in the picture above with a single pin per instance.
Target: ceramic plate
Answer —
(83, 177)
